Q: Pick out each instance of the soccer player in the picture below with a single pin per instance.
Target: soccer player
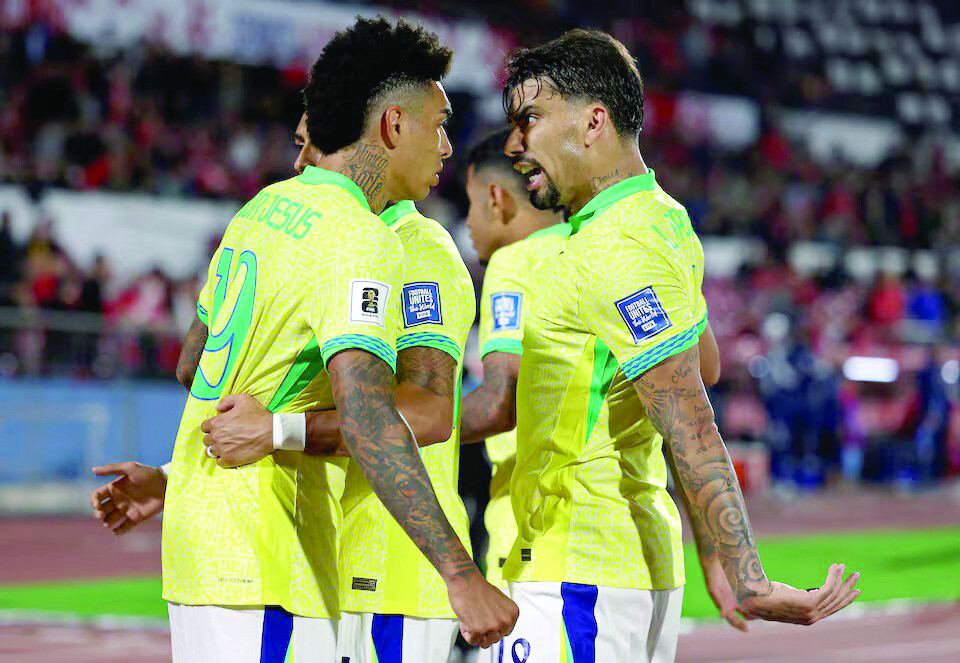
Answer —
(301, 306)
(511, 238)
(393, 602)
(610, 372)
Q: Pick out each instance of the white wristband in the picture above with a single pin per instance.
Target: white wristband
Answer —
(290, 431)
(165, 469)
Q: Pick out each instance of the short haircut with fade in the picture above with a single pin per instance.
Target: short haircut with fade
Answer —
(487, 153)
(359, 68)
(585, 65)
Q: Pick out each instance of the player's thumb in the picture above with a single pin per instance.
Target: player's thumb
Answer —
(112, 468)
(227, 403)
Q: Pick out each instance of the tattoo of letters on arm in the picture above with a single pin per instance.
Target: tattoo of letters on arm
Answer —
(676, 403)
(382, 445)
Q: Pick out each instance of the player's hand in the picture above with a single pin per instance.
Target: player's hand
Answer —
(241, 434)
(486, 614)
(133, 497)
(796, 606)
(721, 593)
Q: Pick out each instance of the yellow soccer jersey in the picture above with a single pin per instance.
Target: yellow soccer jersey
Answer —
(381, 570)
(589, 488)
(505, 294)
(304, 270)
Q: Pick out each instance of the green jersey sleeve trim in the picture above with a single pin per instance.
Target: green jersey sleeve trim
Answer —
(305, 368)
(202, 314)
(428, 340)
(647, 360)
(359, 341)
(510, 345)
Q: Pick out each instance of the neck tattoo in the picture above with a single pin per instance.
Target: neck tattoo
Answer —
(366, 165)
(598, 184)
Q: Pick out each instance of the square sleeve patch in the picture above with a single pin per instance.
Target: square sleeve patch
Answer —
(506, 310)
(643, 314)
(368, 301)
(421, 304)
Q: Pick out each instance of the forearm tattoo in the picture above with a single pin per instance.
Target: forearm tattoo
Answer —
(366, 165)
(190, 352)
(678, 407)
(382, 445)
(428, 368)
(491, 407)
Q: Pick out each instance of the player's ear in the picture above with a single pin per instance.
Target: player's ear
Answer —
(596, 118)
(390, 126)
(504, 206)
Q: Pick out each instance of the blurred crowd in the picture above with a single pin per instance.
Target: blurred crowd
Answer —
(57, 316)
(148, 121)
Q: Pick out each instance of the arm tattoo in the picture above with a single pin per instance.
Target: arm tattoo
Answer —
(678, 407)
(428, 368)
(366, 165)
(190, 352)
(384, 449)
(491, 408)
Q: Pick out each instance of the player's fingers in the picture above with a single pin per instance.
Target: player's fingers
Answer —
(112, 468)
(831, 585)
(125, 527)
(207, 425)
(847, 600)
(227, 403)
(210, 451)
(735, 619)
(114, 518)
(99, 496)
(846, 589)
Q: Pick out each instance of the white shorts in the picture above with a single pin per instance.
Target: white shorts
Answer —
(590, 624)
(218, 634)
(364, 637)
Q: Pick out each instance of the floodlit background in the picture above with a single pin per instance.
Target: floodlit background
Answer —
(814, 144)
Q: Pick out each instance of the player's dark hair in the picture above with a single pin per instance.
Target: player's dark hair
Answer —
(358, 68)
(487, 153)
(583, 65)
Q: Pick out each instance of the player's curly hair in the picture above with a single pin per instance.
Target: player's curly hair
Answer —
(359, 67)
(583, 64)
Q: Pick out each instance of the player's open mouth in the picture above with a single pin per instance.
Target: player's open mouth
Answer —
(534, 174)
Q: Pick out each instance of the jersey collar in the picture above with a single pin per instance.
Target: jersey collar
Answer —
(556, 229)
(314, 175)
(608, 197)
(393, 213)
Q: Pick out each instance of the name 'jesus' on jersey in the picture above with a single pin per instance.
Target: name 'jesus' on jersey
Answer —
(304, 271)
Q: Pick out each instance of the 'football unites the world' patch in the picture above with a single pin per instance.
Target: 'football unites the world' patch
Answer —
(643, 314)
(368, 301)
(421, 304)
(506, 310)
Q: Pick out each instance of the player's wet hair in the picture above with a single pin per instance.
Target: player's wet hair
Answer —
(583, 65)
(360, 68)
(487, 153)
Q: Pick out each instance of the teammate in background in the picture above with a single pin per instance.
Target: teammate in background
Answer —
(393, 603)
(271, 542)
(511, 237)
(610, 372)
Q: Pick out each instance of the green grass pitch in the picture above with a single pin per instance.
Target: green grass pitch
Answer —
(922, 565)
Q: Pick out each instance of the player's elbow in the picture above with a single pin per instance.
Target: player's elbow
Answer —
(185, 377)
(503, 414)
(710, 374)
(436, 427)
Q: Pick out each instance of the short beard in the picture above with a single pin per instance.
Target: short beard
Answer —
(547, 198)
